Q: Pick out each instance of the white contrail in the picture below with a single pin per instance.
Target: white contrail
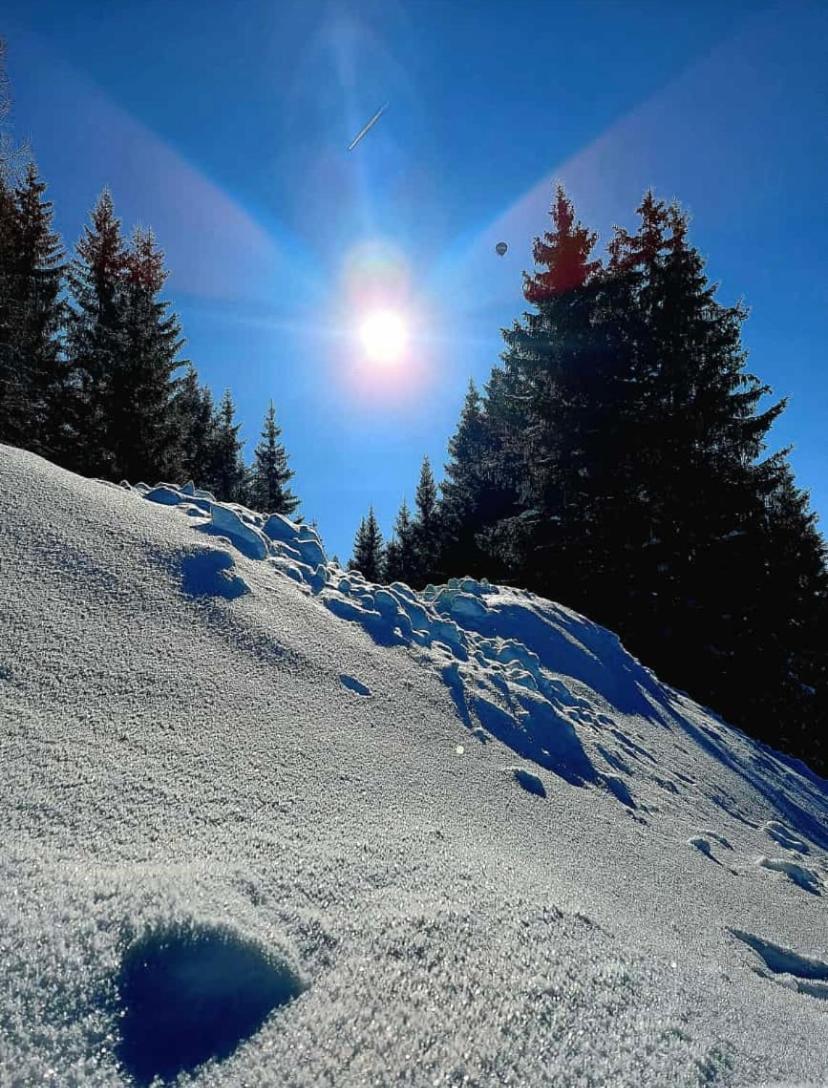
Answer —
(370, 124)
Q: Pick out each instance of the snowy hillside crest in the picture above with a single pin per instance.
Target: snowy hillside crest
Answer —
(501, 652)
(457, 836)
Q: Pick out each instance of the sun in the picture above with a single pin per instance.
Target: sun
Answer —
(384, 336)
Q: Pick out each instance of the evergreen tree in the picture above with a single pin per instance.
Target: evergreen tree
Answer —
(648, 500)
(40, 260)
(95, 337)
(270, 476)
(477, 492)
(425, 529)
(368, 557)
(32, 374)
(143, 439)
(197, 429)
(400, 558)
(552, 400)
(228, 473)
(717, 608)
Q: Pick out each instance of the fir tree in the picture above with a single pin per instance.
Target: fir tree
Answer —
(32, 373)
(476, 492)
(368, 557)
(425, 530)
(227, 472)
(95, 337)
(270, 475)
(551, 403)
(42, 313)
(197, 430)
(143, 438)
(400, 557)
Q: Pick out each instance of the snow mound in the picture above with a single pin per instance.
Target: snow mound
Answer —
(210, 572)
(541, 679)
(236, 776)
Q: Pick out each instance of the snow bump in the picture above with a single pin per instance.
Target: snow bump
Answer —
(210, 572)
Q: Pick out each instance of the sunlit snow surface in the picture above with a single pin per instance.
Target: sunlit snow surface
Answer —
(264, 823)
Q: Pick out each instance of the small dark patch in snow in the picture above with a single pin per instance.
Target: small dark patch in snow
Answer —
(779, 833)
(704, 847)
(801, 875)
(192, 995)
(529, 781)
(804, 974)
(613, 759)
(618, 788)
(631, 746)
(353, 684)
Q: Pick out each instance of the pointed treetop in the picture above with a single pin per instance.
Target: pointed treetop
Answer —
(564, 252)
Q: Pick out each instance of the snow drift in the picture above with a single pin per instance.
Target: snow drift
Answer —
(265, 823)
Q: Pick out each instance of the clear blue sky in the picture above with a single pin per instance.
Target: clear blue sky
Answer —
(225, 126)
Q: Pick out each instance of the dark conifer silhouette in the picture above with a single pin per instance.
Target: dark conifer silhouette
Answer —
(270, 474)
(627, 419)
(95, 337)
(426, 529)
(197, 429)
(400, 557)
(143, 435)
(32, 373)
(228, 473)
(368, 557)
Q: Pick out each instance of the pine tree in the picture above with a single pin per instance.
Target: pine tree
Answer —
(95, 337)
(143, 439)
(270, 475)
(368, 557)
(32, 374)
(42, 314)
(625, 411)
(400, 558)
(477, 492)
(228, 472)
(426, 528)
(551, 400)
(197, 429)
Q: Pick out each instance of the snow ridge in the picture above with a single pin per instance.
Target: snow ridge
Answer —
(520, 669)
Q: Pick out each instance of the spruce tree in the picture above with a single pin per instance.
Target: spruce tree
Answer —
(32, 373)
(625, 411)
(368, 557)
(197, 429)
(400, 558)
(228, 472)
(95, 337)
(143, 438)
(270, 474)
(13, 375)
(425, 530)
(40, 262)
(477, 492)
(551, 400)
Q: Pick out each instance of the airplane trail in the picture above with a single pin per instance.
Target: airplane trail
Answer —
(370, 124)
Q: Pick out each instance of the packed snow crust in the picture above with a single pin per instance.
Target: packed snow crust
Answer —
(266, 823)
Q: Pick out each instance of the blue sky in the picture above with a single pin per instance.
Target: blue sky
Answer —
(225, 126)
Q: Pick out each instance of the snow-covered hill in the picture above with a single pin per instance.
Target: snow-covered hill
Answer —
(264, 823)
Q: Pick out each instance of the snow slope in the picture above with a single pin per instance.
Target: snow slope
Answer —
(266, 824)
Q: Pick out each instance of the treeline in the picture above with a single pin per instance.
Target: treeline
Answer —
(616, 462)
(90, 369)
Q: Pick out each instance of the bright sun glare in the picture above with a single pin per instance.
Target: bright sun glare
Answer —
(384, 336)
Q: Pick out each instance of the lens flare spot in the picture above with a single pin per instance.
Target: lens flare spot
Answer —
(384, 336)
